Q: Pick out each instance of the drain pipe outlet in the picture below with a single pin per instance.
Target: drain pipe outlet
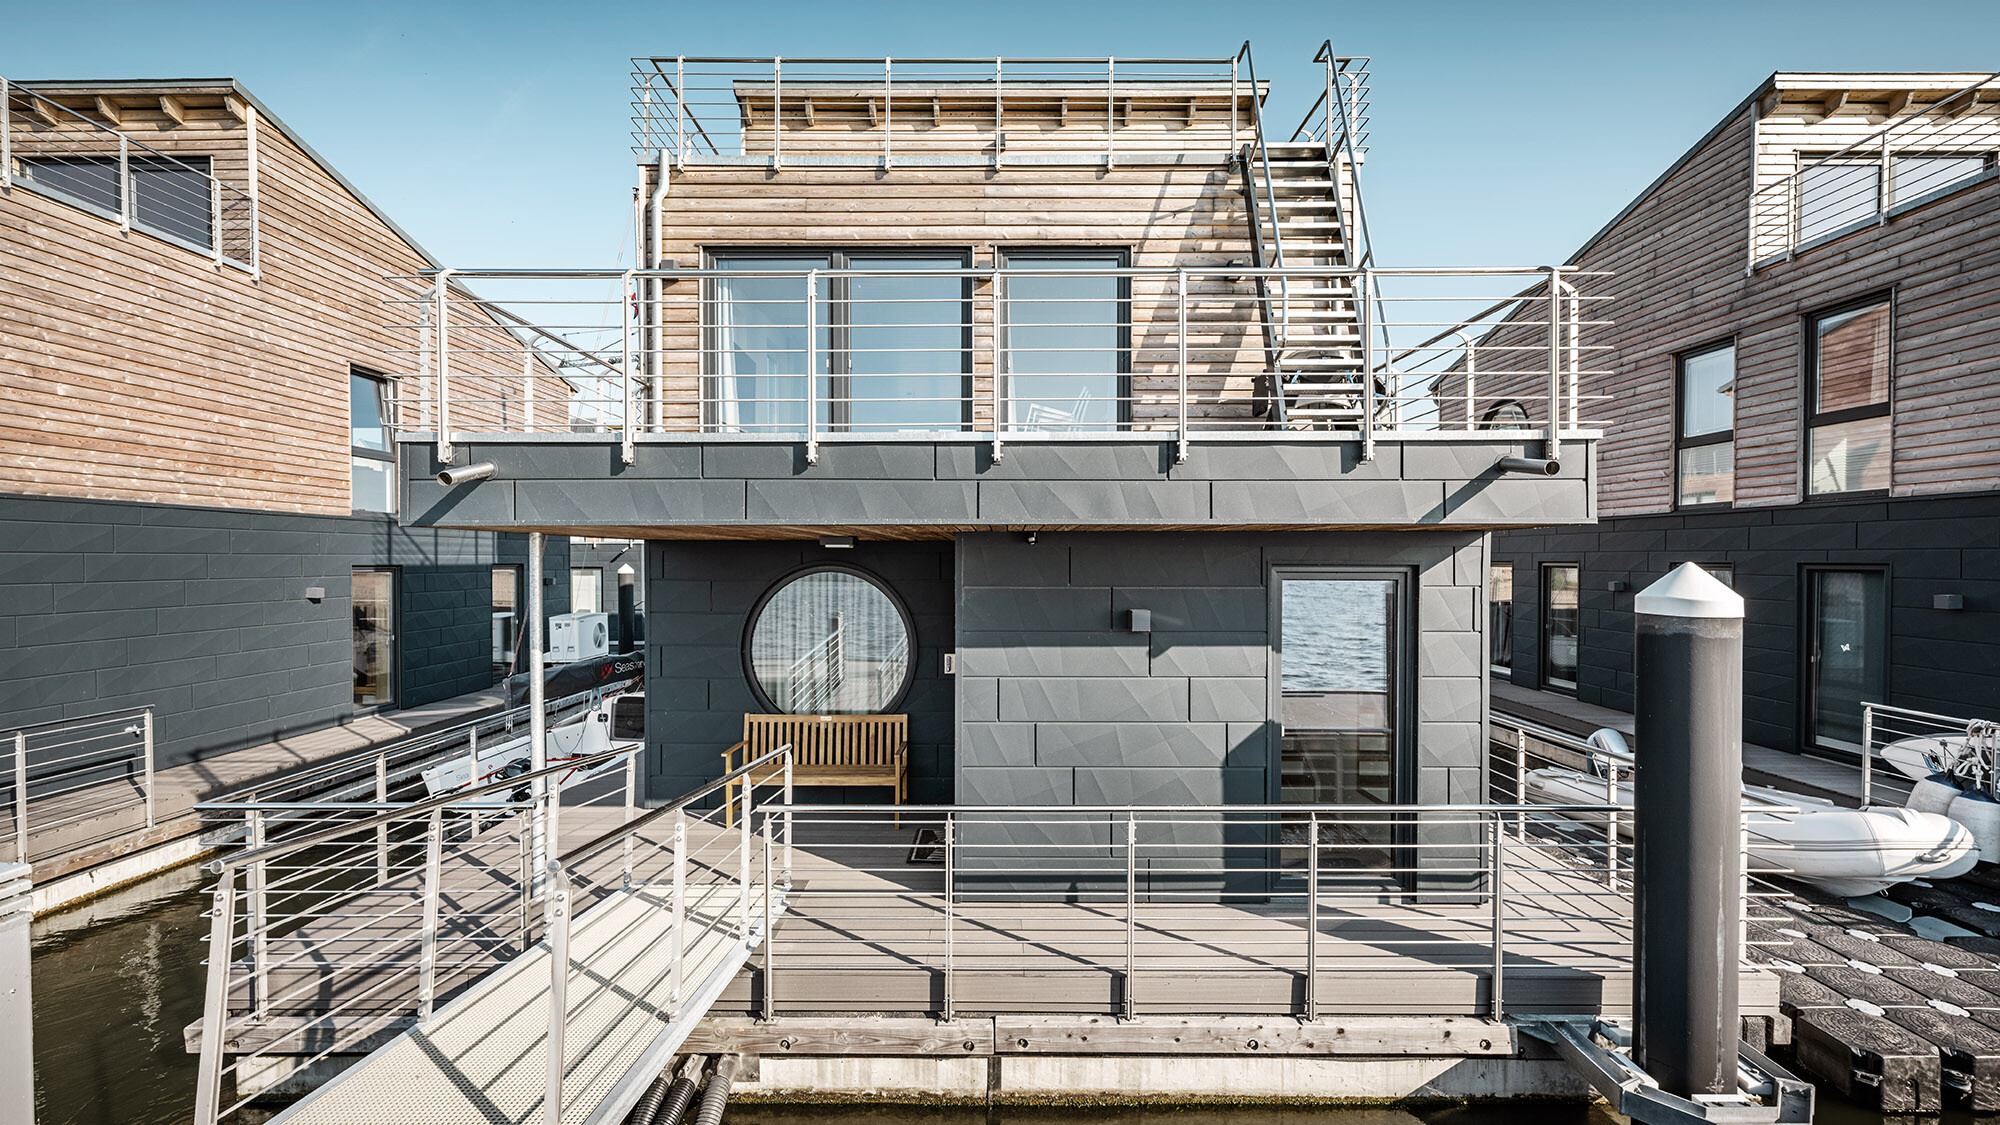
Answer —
(453, 475)
(715, 1095)
(1533, 466)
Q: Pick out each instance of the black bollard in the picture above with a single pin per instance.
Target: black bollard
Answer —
(628, 609)
(1688, 831)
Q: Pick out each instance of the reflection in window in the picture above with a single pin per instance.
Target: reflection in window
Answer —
(1848, 444)
(830, 642)
(1705, 467)
(506, 619)
(1833, 196)
(1913, 177)
(1560, 619)
(1066, 345)
(371, 457)
(1338, 684)
(1500, 617)
(586, 589)
(169, 196)
(757, 362)
(374, 600)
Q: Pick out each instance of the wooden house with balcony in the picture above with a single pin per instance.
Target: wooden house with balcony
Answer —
(1061, 399)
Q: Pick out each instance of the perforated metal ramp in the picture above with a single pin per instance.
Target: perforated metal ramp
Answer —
(479, 1060)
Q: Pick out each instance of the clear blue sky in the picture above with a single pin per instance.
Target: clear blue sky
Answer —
(496, 132)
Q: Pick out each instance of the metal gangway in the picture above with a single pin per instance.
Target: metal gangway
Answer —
(533, 949)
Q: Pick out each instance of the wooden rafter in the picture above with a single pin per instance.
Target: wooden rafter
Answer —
(1899, 102)
(236, 107)
(174, 108)
(110, 111)
(811, 113)
(1833, 102)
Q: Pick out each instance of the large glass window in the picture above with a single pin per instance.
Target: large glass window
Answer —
(1705, 439)
(374, 598)
(1560, 621)
(1846, 652)
(170, 197)
(1848, 436)
(1067, 343)
(889, 352)
(586, 589)
(371, 457)
(1837, 194)
(830, 641)
(506, 619)
(1500, 617)
(1338, 706)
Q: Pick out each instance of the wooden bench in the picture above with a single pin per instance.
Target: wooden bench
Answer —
(826, 750)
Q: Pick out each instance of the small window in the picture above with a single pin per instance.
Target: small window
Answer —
(1724, 573)
(1068, 342)
(1913, 177)
(1560, 621)
(374, 599)
(1705, 434)
(830, 641)
(1847, 398)
(1506, 415)
(371, 454)
(170, 196)
(586, 589)
(506, 619)
(1837, 194)
(1500, 617)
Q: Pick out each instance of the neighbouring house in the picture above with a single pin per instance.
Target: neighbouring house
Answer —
(1803, 392)
(199, 330)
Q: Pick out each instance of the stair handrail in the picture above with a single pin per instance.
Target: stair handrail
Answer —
(1361, 247)
(1273, 338)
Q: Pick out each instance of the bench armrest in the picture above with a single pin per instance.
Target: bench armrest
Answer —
(729, 757)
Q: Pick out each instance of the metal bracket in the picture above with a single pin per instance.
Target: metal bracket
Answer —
(1767, 1093)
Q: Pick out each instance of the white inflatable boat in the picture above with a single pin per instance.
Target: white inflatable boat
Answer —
(1845, 852)
(584, 736)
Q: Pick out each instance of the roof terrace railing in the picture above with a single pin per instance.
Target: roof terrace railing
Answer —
(1009, 354)
(48, 148)
(885, 112)
(1931, 151)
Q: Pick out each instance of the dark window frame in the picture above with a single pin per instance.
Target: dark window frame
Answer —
(1682, 442)
(1805, 737)
(1513, 618)
(395, 671)
(1811, 418)
(1005, 256)
(1543, 680)
(783, 582)
(384, 408)
(839, 336)
(134, 208)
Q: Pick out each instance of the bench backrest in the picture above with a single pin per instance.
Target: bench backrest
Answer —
(829, 740)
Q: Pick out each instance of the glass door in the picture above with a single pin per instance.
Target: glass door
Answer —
(1846, 653)
(374, 598)
(1340, 682)
(1559, 625)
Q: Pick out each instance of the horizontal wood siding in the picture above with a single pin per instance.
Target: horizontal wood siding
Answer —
(132, 368)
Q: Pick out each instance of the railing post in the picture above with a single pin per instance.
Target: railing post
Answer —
(1312, 916)
(680, 112)
(631, 807)
(124, 184)
(777, 105)
(259, 953)
(1180, 365)
(788, 818)
(1497, 840)
(888, 114)
(1000, 336)
(1885, 182)
(215, 1005)
(441, 333)
(433, 877)
(999, 114)
(1234, 128)
(1110, 113)
(677, 927)
(950, 914)
(626, 428)
(527, 892)
(1471, 384)
(1867, 754)
(812, 367)
(146, 733)
(1553, 445)
(6, 135)
(1128, 1005)
(743, 856)
(770, 938)
(21, 795)
(1611, 823)
(527, 390)
(555, 1061)
(1364, 290)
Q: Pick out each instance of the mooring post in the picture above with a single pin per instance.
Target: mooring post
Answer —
(17, 1053)
(1688, 831)
(628, 609)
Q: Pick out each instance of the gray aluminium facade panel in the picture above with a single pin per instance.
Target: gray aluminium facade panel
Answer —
(576, 483)
(202, 614)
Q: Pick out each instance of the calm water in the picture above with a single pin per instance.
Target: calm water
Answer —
(117, 981)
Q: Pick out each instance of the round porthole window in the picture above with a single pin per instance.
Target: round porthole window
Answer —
(829, 641)
(1506, 414)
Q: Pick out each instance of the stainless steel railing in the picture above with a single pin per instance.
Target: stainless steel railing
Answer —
(1923, 152)
(1967, 749)
(1001, 354)
(56, 151)
(68, 783)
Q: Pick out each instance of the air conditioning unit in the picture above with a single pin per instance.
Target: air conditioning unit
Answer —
(579, 636)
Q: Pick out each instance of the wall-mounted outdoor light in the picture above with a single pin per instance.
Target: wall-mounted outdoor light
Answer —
(1141, 621)
(1947, 601)
(837, 542)
(1618, 585)
(315, 594)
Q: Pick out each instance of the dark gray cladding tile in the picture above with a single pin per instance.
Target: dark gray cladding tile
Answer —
(1033, 609)
(142, 568)
(995, 557)
(978, 698)
(1252, 745)
(425, 501)
(1449, 744)
(1341, 502)
(1516, 499)
(1449, 609)
(996, 744)
(1229, 700)
(628, 501)
(1016, 785)
(1451, 699)
(697, 628)
(1011, 653)
(1057, 460)
(1471, 459)
(69, 537)
(1210, 654)
(1197, 609)
(48, 629)
(1118, 786)
(1450, 654)
(1289, 460)
(1130, 744)
(35, 598)
(839, 460)
(1109, 699)
(864, 502)
(586, 460)
(1093, 501)
(1166, 559)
